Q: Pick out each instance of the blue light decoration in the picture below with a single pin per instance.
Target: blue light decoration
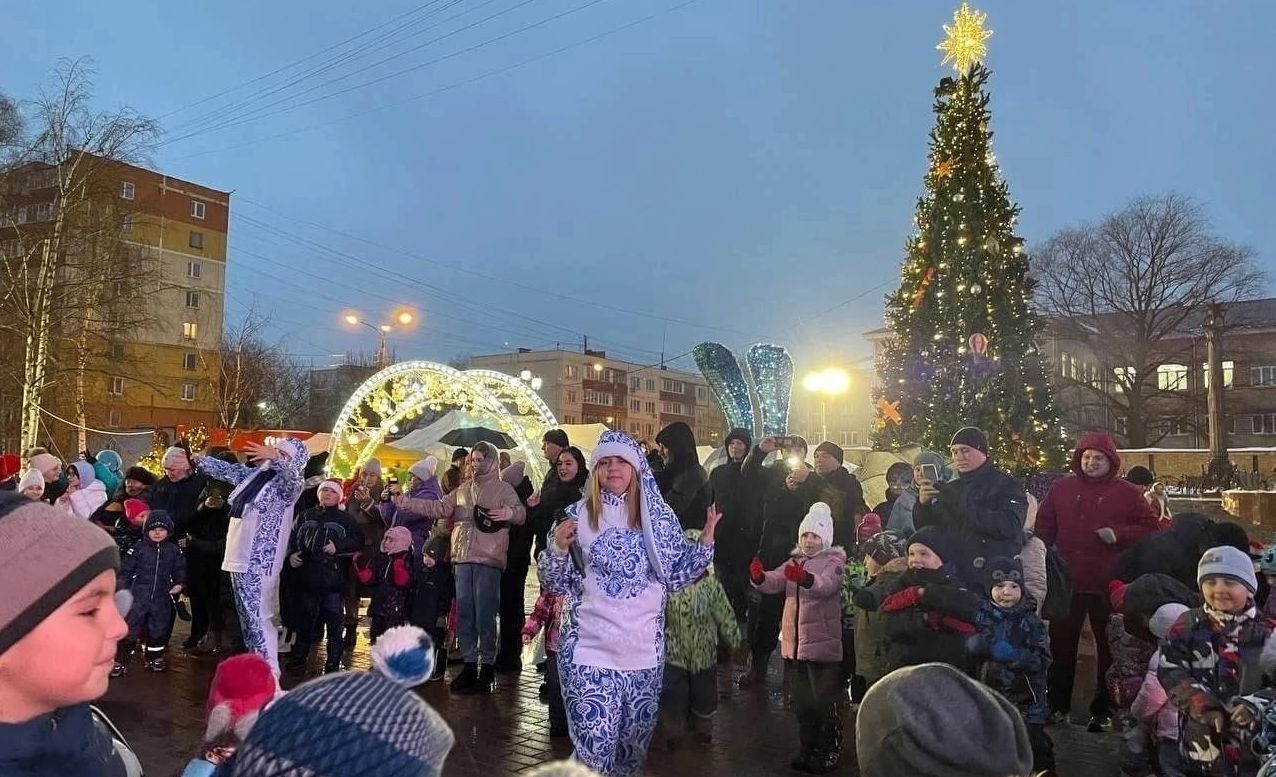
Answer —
(771, 369)
(727, 382)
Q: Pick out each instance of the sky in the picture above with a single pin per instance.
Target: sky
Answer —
(649, 174)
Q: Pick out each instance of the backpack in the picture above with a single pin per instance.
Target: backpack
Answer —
(1058, 603)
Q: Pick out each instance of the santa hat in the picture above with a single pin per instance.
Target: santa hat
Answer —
(242, 687)
(134, 509)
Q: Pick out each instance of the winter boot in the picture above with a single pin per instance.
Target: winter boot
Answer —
(755, 676)
(486, 679)
(467, 680)
(118, 669)
(157, 663)
(701, 729)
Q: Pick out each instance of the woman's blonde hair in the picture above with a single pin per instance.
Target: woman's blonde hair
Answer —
(594, 497)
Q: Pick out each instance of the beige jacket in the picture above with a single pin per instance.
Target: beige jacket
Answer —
(469, 545)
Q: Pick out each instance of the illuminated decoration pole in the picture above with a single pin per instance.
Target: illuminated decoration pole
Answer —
(727, 382)
(402, 392)
(963, 345)
(771, 369)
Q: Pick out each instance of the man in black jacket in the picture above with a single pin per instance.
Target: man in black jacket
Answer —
(787, 489)
(983, 510)
(683, 481)
(737, 537)
(180, 490)
(842, 492)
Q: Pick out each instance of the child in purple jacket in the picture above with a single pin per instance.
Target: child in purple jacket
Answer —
(811, 635)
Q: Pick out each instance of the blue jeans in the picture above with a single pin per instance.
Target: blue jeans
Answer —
(478, 602)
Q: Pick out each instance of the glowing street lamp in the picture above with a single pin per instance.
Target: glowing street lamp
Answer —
(403, 318)
(829, 384)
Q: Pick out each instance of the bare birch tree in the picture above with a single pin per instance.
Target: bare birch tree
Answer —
(1132, 289)
(69, 284)
(259, 384)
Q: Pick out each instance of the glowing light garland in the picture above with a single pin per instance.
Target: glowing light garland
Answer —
(727, 382)
(402, 392)
(771, 369)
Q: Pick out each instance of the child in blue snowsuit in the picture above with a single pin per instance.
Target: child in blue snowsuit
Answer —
(616, 557)
(1015, 647)
(153, 571)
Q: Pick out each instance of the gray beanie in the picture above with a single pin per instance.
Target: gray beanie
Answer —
(933, 721)
(1226, 561)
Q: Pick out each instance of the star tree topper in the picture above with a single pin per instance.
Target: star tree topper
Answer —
(963, 43)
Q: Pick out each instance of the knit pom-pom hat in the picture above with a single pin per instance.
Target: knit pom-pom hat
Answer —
(354, 724)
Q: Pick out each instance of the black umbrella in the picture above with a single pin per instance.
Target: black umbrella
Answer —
(466, 437)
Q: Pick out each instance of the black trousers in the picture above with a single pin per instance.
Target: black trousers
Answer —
(816, 686)
(513, 612)
(687, 697)
(318, 611)
(734, 577)
(765, 613)
(204, 587)
(1065, 634)
(1042, 748)
(554, 689)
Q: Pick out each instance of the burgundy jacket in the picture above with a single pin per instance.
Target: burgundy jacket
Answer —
(1078, 506)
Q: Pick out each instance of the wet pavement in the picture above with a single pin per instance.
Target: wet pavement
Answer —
(507, 733)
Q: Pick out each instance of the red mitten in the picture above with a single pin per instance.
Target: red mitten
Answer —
(756, 573)
(934, 620)
(793, 571)
(903, 600)
(399, 573)
(958, 626)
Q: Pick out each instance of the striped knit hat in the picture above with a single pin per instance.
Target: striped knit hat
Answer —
(352, 724)
(46, 556)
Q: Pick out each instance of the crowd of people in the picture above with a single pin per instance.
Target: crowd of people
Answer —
(958, 602)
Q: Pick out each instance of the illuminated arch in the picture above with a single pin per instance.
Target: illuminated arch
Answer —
(402, 392)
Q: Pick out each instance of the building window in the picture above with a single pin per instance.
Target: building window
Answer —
(673, 408)
(192, 299)
(1171, 377)
(113, 418)
(651, 384)
(571, 372)
(1123, 376)
(1229, 371)
(635, 384)
(188, 392)
(702, 395)
(126, 190)
(197, 209)
(614, 376)
(194, 269)
(126, 223)
(1121, 426)
(673, 386)
(1263, 423)
(197, 239)
(117, 386)
(42, 211)
(569, 419)
(850, 439)
(190, 330)
(1170, 427)
(117, 351)
(598, 398)
(571, 397)
(1262, 376)
(651, 408)
(635, 405)
(190, 361)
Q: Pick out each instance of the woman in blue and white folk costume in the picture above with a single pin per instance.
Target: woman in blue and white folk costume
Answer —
(632, 553)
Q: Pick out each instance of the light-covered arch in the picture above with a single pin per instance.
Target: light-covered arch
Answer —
(402, 392)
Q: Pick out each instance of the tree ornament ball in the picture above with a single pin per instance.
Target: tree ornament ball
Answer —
(992, 245)
(976, 289)
(978, 344)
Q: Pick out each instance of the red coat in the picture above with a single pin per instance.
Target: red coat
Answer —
(1078, 506)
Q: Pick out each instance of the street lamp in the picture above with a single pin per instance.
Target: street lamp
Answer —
(403, 318)
(828, 383)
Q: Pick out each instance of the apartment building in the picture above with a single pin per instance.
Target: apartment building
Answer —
(162, 370)
(591, 387)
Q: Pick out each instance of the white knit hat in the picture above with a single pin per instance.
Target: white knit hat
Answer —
(1164, 619)
(819, 521)
(31, 477)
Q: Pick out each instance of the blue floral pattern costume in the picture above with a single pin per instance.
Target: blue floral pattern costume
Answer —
(612, 674)
(258, 542)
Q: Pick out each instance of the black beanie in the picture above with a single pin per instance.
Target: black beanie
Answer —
(971, 438)
(1140, 476)
(739, 434)
(999, 569)
(143, 476)
(937, 540)
(831, 449)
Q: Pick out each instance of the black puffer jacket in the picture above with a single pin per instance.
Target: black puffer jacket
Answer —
(737, 535)
(67, 743)
(983, 511)
(150, 569)
(206, 536)
(782, 509)
(683, 482)
(180, 499)
(319, 571)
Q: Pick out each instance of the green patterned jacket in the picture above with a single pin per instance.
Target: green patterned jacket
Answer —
(694, 619)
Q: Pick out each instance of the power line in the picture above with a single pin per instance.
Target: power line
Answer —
(483, 44)
(447, 88)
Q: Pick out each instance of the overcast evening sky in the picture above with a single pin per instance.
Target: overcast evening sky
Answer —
(734, 170)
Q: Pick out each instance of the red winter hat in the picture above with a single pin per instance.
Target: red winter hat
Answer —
(134, 509)
(1116, 595)
(242, 687)
(870, 524)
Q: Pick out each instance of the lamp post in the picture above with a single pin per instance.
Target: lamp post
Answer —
(403, 318)
(829, 384)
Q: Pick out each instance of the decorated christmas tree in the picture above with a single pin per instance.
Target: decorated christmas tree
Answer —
(963, 344)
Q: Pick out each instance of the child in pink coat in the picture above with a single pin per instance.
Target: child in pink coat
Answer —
(811, 635)
(1152, 706)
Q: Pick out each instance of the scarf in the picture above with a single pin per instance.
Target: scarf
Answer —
(249, 489)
